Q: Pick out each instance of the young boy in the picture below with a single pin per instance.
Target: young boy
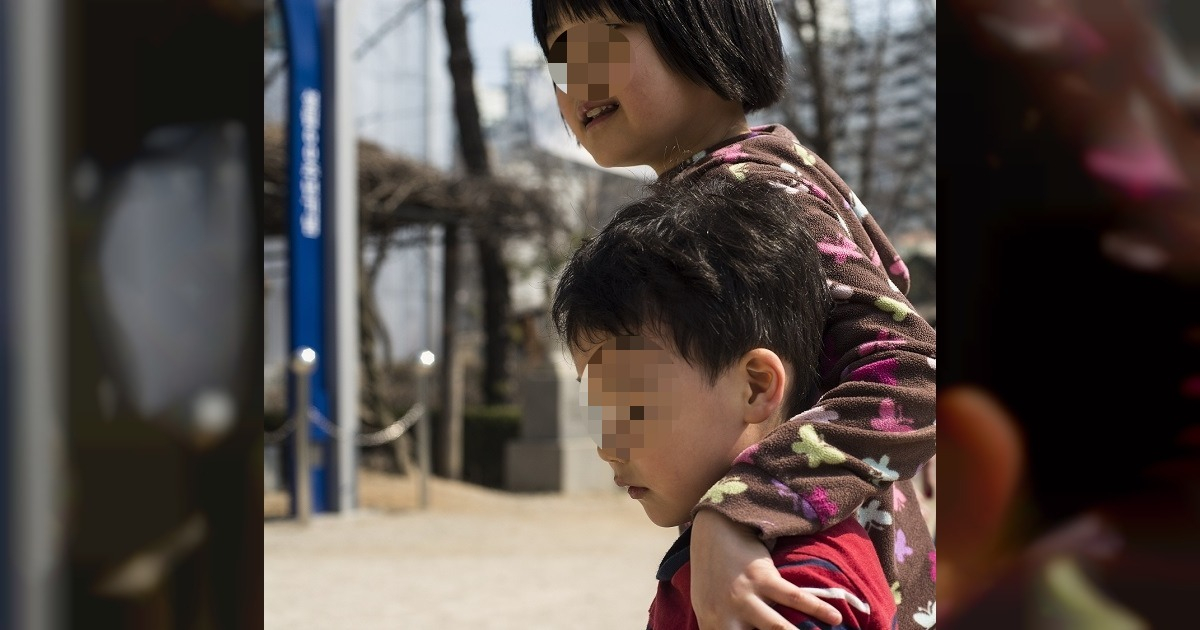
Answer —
(694, 319)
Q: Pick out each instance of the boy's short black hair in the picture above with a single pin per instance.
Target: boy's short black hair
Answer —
(732, 46)
(716, 270)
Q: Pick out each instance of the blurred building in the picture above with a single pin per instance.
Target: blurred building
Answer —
(880, 73)
(905, 106)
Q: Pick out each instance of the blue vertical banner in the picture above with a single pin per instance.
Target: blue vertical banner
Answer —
(306, 269)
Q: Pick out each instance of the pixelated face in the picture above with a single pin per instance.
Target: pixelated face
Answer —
(668, 435)
(621, 101)
(629, 389)
(590, 62)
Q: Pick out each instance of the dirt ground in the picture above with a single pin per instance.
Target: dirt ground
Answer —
(390, 492)
(476, 558)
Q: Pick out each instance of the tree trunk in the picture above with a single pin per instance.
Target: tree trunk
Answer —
(823, 142)
(495, 321)
(466, 109)
(449, 460)
(490, 247)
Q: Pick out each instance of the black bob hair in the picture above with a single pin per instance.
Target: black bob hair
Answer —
(715, 270)
(731, 46)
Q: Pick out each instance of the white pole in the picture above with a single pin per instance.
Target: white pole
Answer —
(304, 363)
(427, 428)
(424, 369)
(431, 71)
(346, 255)
(34, 38)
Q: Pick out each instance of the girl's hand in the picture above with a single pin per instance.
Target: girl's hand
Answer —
(735, 582)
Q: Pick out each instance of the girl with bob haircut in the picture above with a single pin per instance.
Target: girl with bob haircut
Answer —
(731, 46)
(668, 84)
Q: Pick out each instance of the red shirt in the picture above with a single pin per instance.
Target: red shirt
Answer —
(838, 564)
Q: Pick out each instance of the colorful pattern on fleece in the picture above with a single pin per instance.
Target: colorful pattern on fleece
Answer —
(856, 451)
(837, 565)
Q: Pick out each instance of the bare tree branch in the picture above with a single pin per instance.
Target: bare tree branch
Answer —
(273, 73)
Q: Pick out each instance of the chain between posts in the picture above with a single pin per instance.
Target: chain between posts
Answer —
(388, 434)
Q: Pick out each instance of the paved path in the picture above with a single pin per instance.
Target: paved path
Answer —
(475, 559)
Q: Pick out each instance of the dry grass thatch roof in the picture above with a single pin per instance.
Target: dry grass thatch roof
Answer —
(395, 191)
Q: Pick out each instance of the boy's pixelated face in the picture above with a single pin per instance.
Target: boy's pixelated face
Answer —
(668, 435)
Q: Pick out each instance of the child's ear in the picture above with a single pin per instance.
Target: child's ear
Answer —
(764, 385)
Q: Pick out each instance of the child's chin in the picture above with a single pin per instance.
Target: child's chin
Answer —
(608, 161)
(663, 520)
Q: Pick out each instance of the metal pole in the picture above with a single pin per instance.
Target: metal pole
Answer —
(423, 455)
(342, 359)
(431, 71)
(304, 363)
(33, 258)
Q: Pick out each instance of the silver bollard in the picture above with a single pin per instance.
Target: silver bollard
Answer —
(304, 363)
(423, 438)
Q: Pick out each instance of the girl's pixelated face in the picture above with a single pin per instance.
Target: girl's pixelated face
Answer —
(590, 62)
(622, 102)
(668, 434)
